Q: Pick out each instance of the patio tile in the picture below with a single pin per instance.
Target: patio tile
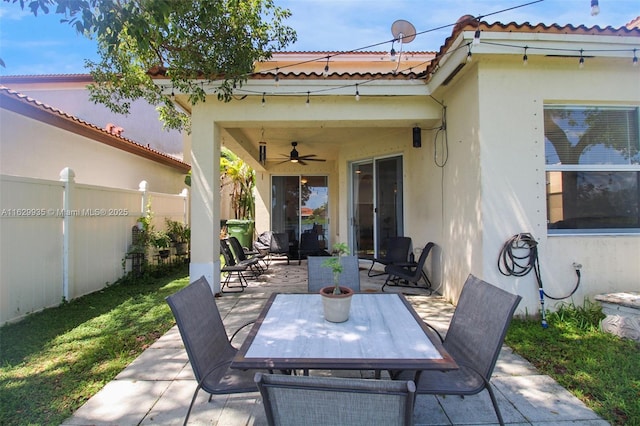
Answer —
(120, 402)
(157, 387)
(540, 399)
(156, 364)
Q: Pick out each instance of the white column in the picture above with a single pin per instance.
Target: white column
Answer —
(205, 198)
(67, 176)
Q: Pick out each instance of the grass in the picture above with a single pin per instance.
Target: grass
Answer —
(55, 360)
(599, 368)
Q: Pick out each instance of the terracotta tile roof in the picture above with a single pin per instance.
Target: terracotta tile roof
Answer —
(25, 105)
(46, 78)
(468, 23)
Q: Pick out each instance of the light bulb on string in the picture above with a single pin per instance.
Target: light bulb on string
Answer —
(635, 58)
(277, 79)
(476, 37)
(525, 58)
(581, 61)
(392, 53)
(307, 103)
(357, 93)
(264, 101)
(326, 68)
(469, 54)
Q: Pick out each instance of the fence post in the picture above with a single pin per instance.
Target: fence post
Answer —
(143, 187)
(67, 175)
(185, 212)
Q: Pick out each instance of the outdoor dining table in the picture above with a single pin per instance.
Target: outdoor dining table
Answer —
(383, 332)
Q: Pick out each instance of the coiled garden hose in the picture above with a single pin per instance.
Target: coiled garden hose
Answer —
(519, 256)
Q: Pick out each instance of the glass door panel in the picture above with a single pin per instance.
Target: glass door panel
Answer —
(314, 200)
(389, 212)
(377, 208)
(362, 220)
(299, 204)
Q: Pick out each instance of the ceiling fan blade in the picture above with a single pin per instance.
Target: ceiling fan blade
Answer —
(302, 162)
(311, 159)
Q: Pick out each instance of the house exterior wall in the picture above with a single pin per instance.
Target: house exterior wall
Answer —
(35, 149)
(460, 188)
(508, 140)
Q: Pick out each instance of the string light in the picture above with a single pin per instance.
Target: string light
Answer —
(392, 53)
(264, 101)
(525, 58)
(307, 103)
(635, 58)
(357, 93)
(277, 79)
(595, 8)
(581, 61)
(469, 55)
(476, 37)
(326, 68)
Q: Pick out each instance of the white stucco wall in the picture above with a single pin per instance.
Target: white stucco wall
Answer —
(508, 140)
(35, 149)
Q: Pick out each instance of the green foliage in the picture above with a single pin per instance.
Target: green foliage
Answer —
(234, 171)
(601, 369)
(179, 232)
(187, 42)
(333, 263)
(53, 361)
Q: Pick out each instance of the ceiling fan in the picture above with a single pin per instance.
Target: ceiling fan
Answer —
(295, 157)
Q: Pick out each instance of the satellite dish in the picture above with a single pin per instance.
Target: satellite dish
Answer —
(403, 31)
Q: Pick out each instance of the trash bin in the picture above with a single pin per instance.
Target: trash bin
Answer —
(242, 229)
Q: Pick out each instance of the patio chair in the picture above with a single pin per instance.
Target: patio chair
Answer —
(231, 268)
(241, 256)
(409, 274)
(205, 339)
(397, 251)
(318, 276)
(310, 246)
(279, 245)
(330, 401)
(474, 339)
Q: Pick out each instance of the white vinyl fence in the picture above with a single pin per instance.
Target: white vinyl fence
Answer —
(60, 240)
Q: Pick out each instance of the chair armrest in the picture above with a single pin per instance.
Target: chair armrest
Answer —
(240, 329)
(435, 331)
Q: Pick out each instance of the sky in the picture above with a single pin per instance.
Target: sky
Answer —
(42, 45)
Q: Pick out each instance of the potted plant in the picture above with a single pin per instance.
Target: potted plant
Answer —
(336, 300)
(180, 234)
(162, 241)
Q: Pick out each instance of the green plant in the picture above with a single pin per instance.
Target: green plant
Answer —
(234, 171)
(333, 263)
(160, 239)
(178, 232)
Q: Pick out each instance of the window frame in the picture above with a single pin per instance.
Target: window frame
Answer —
(588, 168)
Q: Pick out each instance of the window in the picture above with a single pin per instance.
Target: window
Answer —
(593, 169)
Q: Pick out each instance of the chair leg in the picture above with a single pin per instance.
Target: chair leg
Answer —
(193, 400)
(495, 404)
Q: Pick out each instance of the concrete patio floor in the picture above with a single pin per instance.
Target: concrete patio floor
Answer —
(156, 388)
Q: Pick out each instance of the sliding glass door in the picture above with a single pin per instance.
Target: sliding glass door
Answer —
(377, 204)
(300, 204)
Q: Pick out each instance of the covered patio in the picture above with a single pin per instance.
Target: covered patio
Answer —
(156, 388)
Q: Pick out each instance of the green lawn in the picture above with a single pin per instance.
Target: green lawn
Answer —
(599, 368)
(55, 360)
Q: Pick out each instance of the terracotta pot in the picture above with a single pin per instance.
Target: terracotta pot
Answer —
(336, 306)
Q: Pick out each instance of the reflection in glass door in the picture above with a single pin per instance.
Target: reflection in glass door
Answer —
(300, 204)
(377, 209)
